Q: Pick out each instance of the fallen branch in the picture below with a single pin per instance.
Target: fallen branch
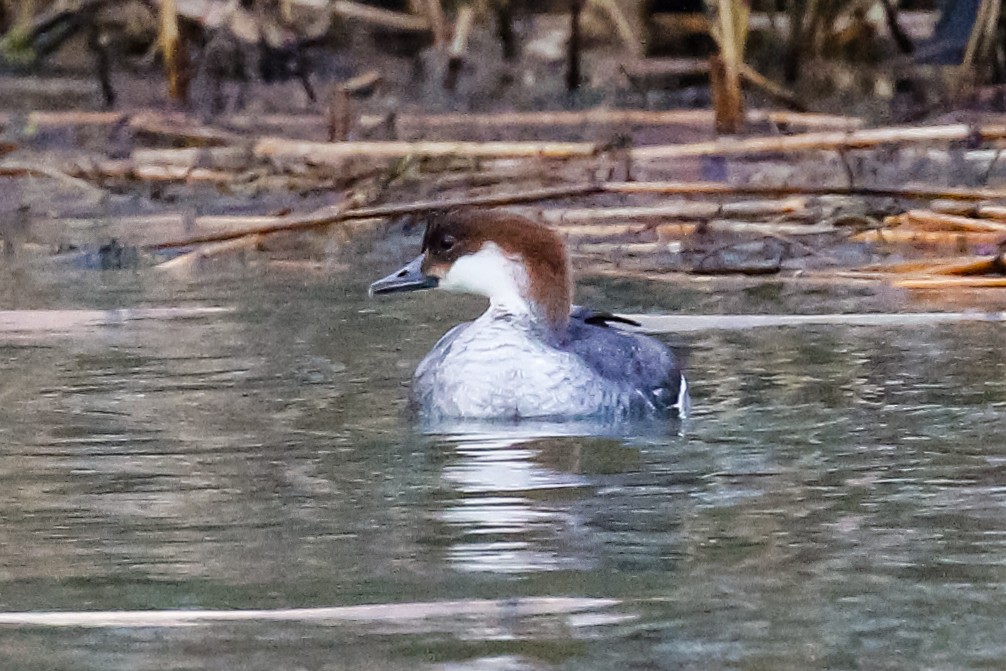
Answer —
(926, 220)
(230, 158)
(63, 119)
(940, 283)
(767, 228)
(602, 231)
(336, 153)
(777, 91)
(914, 267)
(495, 200)
(955, 239)
(188, 262)
(631, 41)
(179, 173)
(350, 210)
(615, 117)
(686, 210)
(181, 128)
(861, 139)
(323, 217)
(976, 210)
(126, 169)
(629, 249)
(721, 189)
(977, 266)
(36, 170)
(952, 266)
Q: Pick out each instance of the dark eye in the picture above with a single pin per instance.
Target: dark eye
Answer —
(447, 243)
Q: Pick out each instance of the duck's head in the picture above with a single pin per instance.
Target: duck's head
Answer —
(520, 265)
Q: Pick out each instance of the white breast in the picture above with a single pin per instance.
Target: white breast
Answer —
(499, 368)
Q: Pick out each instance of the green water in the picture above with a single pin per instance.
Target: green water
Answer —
(838, 500)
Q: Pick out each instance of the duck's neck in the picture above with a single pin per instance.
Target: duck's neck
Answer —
(506, 282)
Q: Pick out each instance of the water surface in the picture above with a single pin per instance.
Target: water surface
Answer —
(838, 499)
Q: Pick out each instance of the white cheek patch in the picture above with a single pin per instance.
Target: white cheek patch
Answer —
(490, 273)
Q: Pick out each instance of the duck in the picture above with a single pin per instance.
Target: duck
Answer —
(532, 354)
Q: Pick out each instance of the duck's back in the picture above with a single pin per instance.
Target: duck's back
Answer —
(499, 368)
(633, 360)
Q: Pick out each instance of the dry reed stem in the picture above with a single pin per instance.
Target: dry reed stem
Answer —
(631, 40)
(173, 51)
(725, 71)
(462, 31)
(438, 23)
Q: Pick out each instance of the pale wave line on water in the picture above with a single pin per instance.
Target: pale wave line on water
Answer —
(69, 321)
(370, 613)
(688, 323)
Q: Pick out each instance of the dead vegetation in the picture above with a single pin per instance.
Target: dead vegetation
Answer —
(634, 190)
